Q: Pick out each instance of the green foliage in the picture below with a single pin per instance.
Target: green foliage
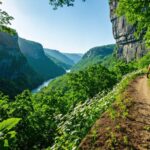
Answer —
(4, 106)
(64, 111)
(9, 87)
(147, 128)
(8, 30)
(77, 87)
(76, 124)
(8, 124)
(41, 113)
(95, 55)
(61, 3)
(121, 68)
(144, 61)
(92, 80)
(137, 12)
(5, 19)
(6, 132)
(62, 114)
(38, 123)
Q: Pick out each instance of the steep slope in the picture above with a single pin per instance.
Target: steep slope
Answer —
(59, 63)
(73, 56)
(94, 56)
(36, 57)
(59, 56)
(16, 74)
(129, 132)
(77, 123)
(129, 48)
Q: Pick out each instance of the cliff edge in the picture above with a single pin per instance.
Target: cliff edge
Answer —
(129, 48)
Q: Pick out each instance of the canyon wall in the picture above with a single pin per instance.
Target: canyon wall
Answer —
(37, 59)
(129, 48)
(15, 72)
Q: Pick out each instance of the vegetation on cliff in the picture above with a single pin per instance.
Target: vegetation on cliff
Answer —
(5, 20)
(137, 13)
(40, 112)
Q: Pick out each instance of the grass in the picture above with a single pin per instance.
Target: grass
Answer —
(147, 128)
(76, 124)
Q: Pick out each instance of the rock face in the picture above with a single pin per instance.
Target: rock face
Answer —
(37, 59)
(129, 48)
(15, 72)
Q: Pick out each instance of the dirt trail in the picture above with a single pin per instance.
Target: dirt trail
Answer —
(142, 89)
(133, 132)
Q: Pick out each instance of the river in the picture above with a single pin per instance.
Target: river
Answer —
(45, 84)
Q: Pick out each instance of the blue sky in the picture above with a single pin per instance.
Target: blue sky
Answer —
(73, 29)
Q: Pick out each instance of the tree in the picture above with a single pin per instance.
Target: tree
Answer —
(61, 3)
(137, 12)
(5, 20)
(6, 132)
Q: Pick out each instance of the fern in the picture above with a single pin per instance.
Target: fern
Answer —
(6, 132)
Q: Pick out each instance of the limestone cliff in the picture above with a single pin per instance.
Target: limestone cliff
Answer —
(129, 48)
(37, 59)
(15, 72)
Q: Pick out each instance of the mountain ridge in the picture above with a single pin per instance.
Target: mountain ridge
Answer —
(76, 57)
(93, 56)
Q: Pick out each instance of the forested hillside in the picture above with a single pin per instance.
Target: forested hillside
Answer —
(23, 65)
(103, 103)
(16, 74)
(67, 108)
(94, 56)
(40, 112)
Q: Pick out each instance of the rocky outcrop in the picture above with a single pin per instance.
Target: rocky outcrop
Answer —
(14, 68)
(129, 48)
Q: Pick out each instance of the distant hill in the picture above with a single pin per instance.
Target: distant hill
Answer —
(59, 63)
(37, 59)
(74, 56)
(60, 58)
(16, 74)
(94, 55)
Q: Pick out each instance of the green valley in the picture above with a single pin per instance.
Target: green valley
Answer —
(74, 100)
